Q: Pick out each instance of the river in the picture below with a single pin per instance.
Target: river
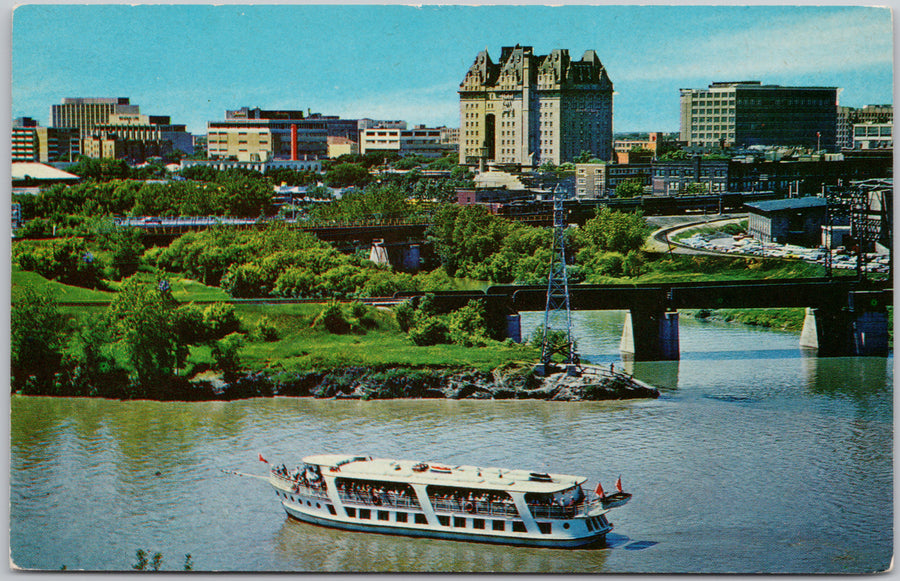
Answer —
(756, 458)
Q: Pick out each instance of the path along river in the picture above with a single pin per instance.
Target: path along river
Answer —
(756, 458)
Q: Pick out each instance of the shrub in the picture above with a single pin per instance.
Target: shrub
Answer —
(610, 264)
(332, 318)
(225, 353)
(634, 264)
(219, 320)
(404, 313)
(264, 331)
(429, 331)
(466, 326)
(358, 310)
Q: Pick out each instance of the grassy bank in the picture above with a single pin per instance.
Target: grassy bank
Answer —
(304, 346)
(783, 319)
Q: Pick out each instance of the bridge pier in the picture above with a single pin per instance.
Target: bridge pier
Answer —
(650, 335)
(514, 327)
(845, 332)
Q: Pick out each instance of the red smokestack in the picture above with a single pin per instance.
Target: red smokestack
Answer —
(294, 142)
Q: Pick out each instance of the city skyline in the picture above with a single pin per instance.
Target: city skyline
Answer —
(402, 62)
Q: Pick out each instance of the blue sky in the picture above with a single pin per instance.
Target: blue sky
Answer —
(404, 62)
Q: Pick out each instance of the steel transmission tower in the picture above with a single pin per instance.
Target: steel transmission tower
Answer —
(557, 315)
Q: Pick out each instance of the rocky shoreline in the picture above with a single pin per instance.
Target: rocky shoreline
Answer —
(364, 383)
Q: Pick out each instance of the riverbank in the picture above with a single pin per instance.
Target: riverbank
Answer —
(374, 383)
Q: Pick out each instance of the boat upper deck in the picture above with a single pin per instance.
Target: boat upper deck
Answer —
(428, 473)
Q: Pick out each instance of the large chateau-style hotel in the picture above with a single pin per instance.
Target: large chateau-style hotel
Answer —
(529, 109)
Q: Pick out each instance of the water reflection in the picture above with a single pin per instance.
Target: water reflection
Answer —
(661, 374)
(856, 377)
(306, 547)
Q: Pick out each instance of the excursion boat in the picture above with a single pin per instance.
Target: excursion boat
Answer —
(404, 497)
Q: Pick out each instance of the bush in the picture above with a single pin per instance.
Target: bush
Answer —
(265, 330)
(466, 326)
(358, 310)
(429, 331)
(225, 353)
(404, 312)
(634, 264)
(219, 320)
(610, 264)
(332, 318)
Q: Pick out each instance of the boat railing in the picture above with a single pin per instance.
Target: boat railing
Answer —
(298, 487)
(561, 512)
(476, 507)
(384, 500)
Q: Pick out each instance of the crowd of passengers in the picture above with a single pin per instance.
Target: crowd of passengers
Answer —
(308, 477)
(462, 498)
(376, 493)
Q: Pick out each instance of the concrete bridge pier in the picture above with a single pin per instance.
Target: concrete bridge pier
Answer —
(650, 335)
(845, 332)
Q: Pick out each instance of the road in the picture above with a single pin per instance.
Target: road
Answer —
(667, 226)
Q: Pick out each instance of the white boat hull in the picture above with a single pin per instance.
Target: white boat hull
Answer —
(564, 534)
(526, 541)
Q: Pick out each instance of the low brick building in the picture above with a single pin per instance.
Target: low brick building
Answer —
(791, 221)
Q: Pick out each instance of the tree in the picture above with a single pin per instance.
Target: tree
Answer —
(36, 338)
(615, 231)
(630, 188)
(583, 157)
(344, 175)
(143, 318)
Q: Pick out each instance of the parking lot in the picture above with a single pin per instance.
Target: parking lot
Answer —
(747, 246)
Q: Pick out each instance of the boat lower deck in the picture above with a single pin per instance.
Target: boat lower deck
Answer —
(459, 526)
(451, 534)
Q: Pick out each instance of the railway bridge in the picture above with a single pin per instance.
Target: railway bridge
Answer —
(843, 317)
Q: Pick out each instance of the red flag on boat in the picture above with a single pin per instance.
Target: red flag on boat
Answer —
(599, 491)
(619, 484)
(261, 459)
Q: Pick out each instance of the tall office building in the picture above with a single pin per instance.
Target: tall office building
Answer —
(31, 142)
(870, 116)
(529, 109)
(749, 113)
(85, 113)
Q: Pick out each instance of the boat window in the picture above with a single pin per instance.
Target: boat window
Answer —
(519, 527)
(401, 517)
(545, 527)
(459, 523)
(420, 519)
(384, 515)
(444, 520)
(499, 525)
(590, 524)
(477, 523)
(351, 512)
(365, 513)
(331, 510)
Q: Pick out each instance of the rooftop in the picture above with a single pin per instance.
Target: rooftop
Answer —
(39, 171)
(789, 204)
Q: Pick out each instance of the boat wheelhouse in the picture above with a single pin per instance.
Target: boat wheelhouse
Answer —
(415, 498)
